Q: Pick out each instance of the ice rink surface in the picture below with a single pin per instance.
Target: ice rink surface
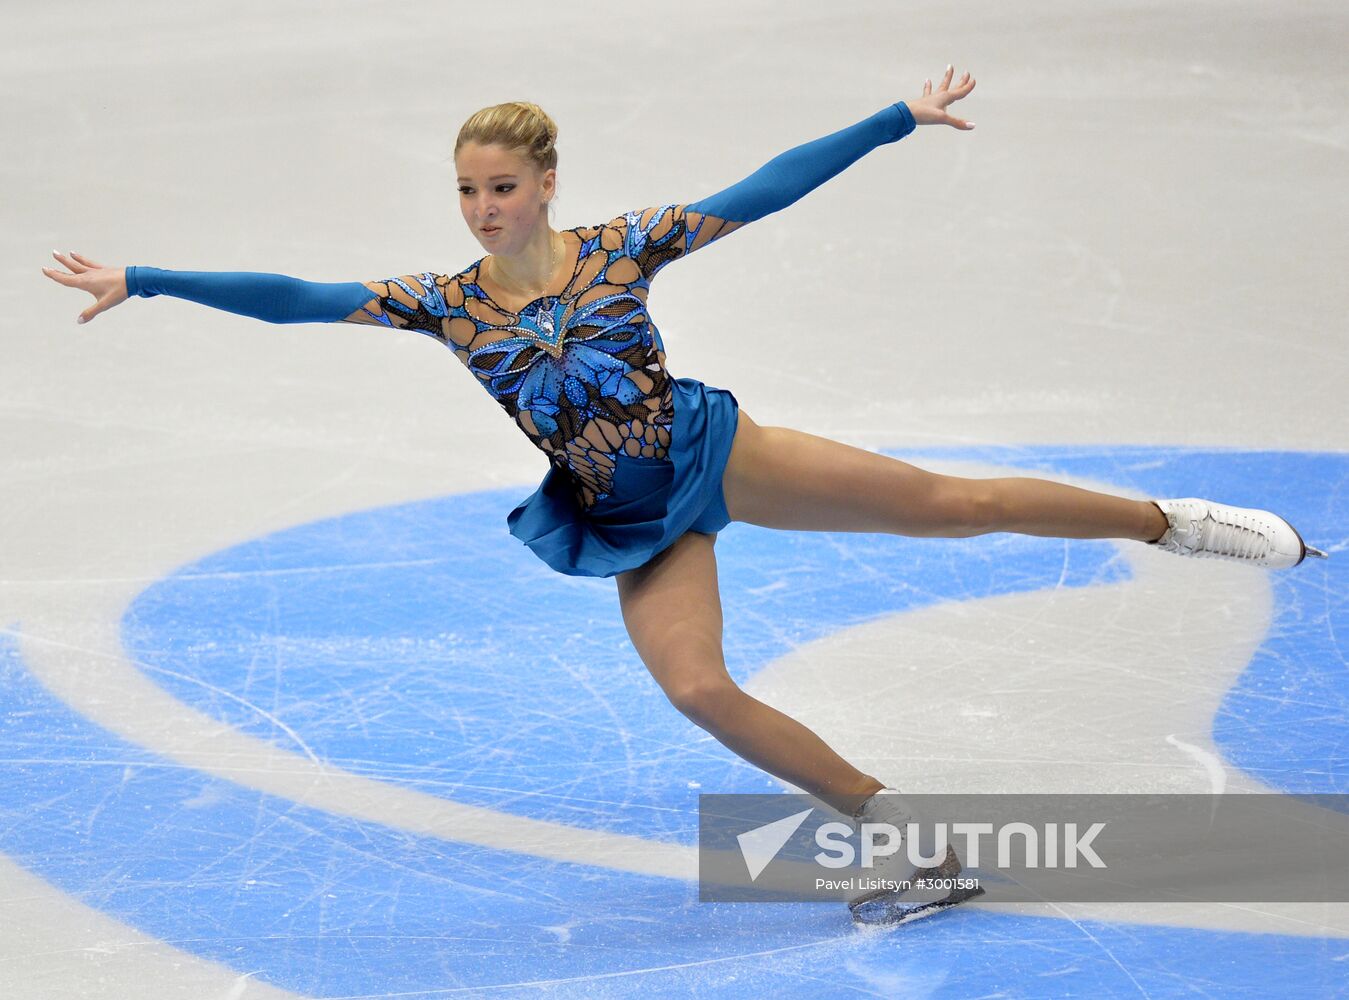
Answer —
(287, 712)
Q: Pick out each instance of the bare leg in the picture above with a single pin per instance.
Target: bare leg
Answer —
(672, 610)
(781, 478)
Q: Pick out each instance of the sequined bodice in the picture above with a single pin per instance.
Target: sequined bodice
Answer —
(582, 373)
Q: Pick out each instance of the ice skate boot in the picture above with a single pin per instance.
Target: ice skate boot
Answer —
(1208, 530)
(894, 891)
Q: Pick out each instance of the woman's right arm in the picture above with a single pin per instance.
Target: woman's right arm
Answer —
(274, 298)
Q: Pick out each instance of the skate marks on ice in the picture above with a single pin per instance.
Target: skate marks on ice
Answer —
(75, 651)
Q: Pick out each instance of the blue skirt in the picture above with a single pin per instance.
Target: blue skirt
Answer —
(652, 501)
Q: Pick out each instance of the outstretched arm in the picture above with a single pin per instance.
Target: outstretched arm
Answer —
(790, 176)
(658, 236)
(275, 298)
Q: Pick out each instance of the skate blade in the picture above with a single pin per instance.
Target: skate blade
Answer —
(885, 911)
(1307, 550)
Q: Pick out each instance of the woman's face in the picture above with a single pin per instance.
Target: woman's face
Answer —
(504, 197)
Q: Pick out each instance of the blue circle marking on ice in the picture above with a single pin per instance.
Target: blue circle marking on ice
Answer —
(420, 645)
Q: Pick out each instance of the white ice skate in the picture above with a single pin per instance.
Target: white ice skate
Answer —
(1209, 530)
(875, 902)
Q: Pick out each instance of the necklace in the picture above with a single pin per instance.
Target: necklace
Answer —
(552, 268)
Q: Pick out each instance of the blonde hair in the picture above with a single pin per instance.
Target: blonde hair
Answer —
(519, 126)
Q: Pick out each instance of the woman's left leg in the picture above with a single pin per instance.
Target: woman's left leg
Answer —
(672, 609)
(782, 478)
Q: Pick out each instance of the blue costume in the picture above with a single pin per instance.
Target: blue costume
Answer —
(636, 456)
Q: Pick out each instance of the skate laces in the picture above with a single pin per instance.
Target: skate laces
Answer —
(1234, 534)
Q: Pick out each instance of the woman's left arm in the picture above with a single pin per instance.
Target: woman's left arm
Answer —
(790, 176)
(787, 177)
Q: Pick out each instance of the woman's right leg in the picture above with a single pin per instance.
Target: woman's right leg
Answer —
(672, 610)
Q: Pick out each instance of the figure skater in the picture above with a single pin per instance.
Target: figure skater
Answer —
(645, 469)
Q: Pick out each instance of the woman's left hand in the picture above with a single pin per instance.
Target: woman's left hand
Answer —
(930, 109)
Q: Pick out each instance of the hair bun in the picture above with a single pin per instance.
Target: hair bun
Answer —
(543, 119)
(520, 125)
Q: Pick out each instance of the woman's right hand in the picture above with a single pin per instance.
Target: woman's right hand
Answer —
(106, 284)
(930, 109)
